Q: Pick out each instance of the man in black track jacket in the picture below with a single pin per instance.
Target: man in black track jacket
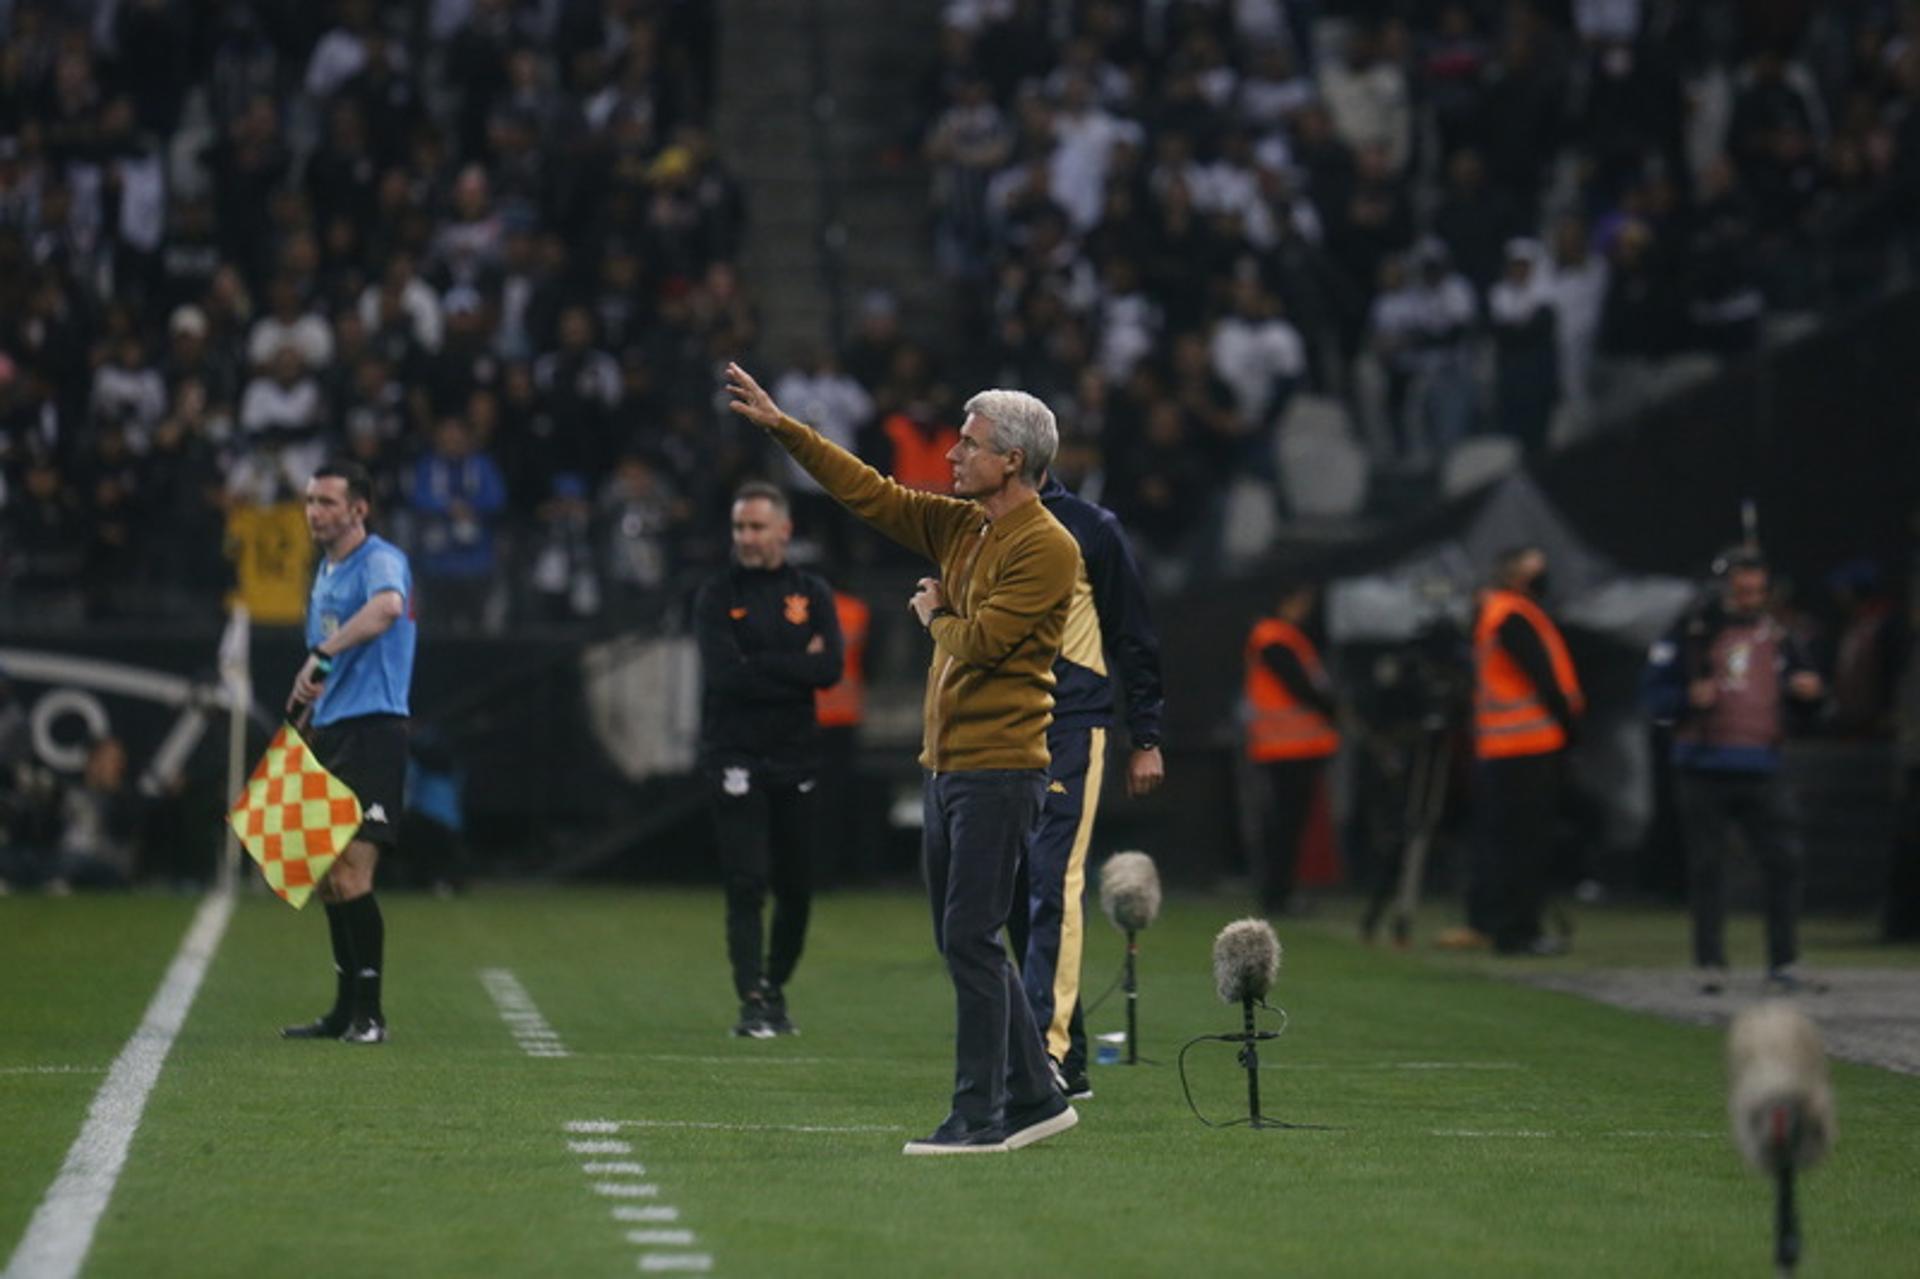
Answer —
(768, 639)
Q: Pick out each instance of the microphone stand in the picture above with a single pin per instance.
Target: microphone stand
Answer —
(1785, 1122)
(1786, 1223)
(1133, 1001)
(1250, 1060)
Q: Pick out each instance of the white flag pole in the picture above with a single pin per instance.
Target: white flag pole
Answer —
(236, 674)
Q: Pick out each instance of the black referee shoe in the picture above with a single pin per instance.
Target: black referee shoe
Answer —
(366, 1030)
(773, 1004)
(319, 1028)
(753, 1020)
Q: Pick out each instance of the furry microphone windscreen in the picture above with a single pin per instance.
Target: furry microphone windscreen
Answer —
(1130, 891)
(1779, 1098)
(1246, 959)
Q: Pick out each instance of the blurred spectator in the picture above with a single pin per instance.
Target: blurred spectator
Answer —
(1261, 359)
(46, 545)
(640, 518)
(580, 391)
(128, 392)
(180, 499)
(457, 496)
(289, 322)
(1422, 319)
(191, 358)
(100, 832)
(1577, 281)
(821, 394)
(1520, 309)
(282, 416)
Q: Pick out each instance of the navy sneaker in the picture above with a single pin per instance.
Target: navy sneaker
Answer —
(954, 1138)
(1071, 1081)
(1028, 1124)
(1785, 981)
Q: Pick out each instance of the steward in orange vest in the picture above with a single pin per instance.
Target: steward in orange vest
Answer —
(1525, 701)
(919, 446)
(1289, 699)
(1525, 692)
(845, 704)
(1290, 734)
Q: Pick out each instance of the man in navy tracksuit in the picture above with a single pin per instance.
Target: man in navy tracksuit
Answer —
(1107, 618)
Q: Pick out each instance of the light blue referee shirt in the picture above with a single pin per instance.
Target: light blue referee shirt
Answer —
(371, 678)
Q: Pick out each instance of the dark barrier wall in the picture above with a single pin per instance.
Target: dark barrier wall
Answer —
(510, 710)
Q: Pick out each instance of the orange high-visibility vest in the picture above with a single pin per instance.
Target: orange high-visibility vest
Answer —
(1281, 727)
(1510, 719)
(845, 704)
(919, 459)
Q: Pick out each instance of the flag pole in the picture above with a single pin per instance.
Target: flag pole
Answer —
(236, 672)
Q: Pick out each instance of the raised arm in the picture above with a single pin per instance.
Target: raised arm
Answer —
(921, 522)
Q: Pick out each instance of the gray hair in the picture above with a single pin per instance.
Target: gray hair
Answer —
(1020, 421)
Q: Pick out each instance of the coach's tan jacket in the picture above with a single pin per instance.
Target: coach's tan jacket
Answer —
(1008, 581)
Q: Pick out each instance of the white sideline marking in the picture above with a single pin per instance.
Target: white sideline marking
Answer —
(600, 1147)
(655, 1215)
(652, 1212)
(744, 1059)
(61, 1232)
(626, 1189)
(1449, 1065)
(1391, 1065)
(1631, 1134)
(53, 1070)
(720, 1127)
(528, 1028)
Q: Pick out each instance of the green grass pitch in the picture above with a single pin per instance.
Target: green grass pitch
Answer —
(1475, 1127)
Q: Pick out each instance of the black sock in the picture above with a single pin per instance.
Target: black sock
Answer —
(342, 965)
(368, 933)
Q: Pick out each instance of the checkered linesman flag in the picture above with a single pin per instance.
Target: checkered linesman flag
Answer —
(294, 817)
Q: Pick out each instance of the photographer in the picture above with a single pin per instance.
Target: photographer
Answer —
(1725, 678)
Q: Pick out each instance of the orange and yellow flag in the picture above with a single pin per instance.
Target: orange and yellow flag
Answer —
(294, 817)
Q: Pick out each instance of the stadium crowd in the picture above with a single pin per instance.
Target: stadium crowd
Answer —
(1453, 219)
(487, 248)
(483, 247)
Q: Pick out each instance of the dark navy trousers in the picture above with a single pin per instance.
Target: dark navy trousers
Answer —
(978, 826)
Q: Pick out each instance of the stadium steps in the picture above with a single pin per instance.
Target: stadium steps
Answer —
(863, 167)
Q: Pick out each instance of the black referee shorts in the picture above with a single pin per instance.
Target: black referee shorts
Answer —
(369, 754)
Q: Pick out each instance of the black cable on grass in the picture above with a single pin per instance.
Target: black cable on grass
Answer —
(1187, 1088)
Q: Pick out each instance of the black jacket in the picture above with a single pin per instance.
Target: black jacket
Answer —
(753, 627)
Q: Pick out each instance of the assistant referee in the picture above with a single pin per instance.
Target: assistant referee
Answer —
(353, 691)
